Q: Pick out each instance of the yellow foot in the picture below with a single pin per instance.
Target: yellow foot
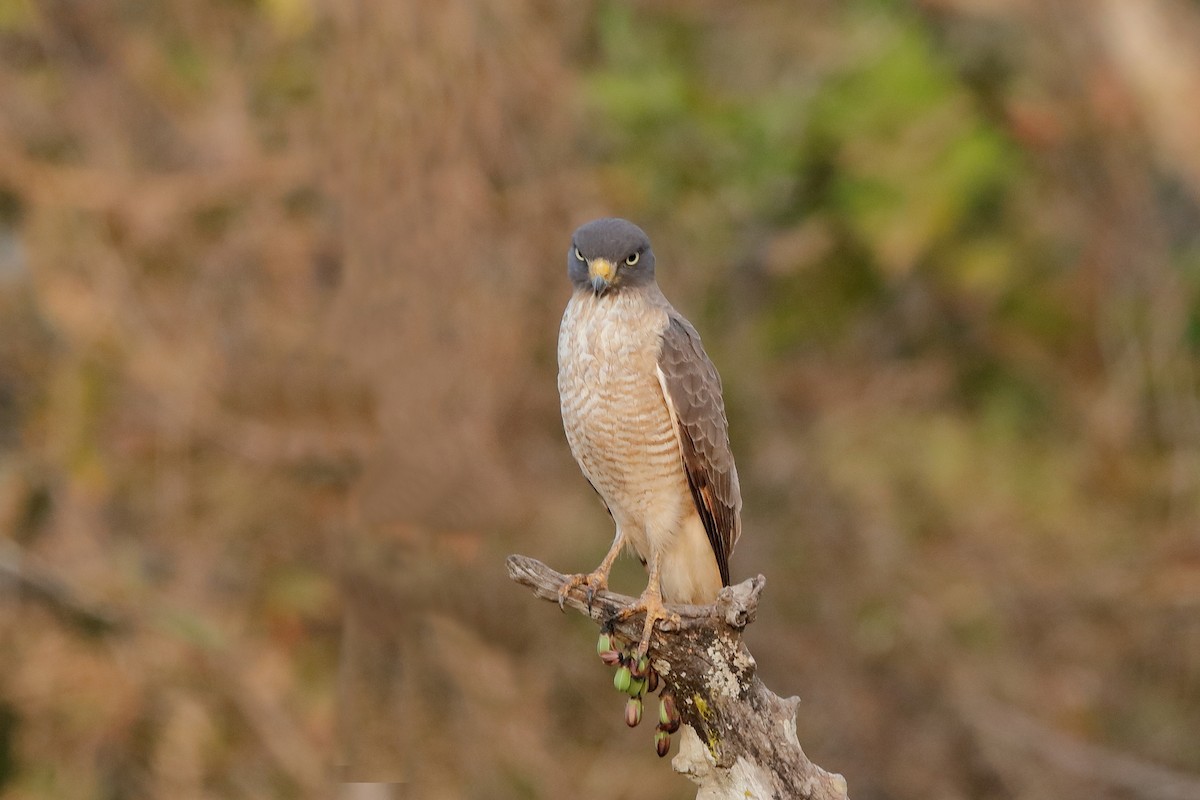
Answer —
(651, 603)
(593, 581)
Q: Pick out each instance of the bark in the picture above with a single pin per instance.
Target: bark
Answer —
(738, 738)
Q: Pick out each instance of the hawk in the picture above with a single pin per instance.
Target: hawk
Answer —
(643, 413)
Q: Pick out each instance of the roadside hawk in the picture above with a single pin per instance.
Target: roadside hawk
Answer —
(643, 413)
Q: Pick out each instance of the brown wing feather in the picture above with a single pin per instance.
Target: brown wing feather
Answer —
(693, 391)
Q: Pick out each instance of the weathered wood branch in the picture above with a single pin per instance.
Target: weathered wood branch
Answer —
(739, 738)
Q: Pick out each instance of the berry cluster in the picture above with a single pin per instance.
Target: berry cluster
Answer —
(635, 677)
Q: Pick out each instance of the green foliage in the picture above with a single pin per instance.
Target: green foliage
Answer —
(883, 160)
(675, 134)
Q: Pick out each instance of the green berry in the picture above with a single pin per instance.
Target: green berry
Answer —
(621, 679)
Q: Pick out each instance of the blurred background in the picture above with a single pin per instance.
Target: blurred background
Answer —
(280, 283)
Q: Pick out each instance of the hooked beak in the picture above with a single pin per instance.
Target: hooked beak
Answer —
(601, 271)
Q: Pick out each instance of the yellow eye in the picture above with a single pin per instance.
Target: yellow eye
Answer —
(578, 254)
(633, 259)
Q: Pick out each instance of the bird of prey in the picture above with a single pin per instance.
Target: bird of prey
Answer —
(643, 413)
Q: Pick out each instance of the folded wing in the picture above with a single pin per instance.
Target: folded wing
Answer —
(692, 389)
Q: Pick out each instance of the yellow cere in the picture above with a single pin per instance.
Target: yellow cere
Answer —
(601, 267)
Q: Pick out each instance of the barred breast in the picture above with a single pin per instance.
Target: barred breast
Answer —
(616, 419)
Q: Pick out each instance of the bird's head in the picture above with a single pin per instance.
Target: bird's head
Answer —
(610, 255)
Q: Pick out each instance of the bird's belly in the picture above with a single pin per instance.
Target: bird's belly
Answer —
(620, 430)
(625, 444)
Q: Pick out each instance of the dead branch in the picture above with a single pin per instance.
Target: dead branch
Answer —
(739, 738)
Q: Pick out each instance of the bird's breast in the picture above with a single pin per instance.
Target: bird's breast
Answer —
(614, 413)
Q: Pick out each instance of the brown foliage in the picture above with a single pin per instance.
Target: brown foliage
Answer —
(279, 287)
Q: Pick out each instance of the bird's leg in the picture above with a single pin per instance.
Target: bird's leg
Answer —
(651, 602)
(597, 579)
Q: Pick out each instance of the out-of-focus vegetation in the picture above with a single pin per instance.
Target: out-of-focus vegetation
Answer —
(279, 287)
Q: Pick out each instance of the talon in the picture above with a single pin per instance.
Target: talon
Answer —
(592, 581)
(565, 590)
(651, 604)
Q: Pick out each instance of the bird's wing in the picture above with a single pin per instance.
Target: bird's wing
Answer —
(692, 390)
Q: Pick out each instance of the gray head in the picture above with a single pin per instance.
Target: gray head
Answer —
(610, 255)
